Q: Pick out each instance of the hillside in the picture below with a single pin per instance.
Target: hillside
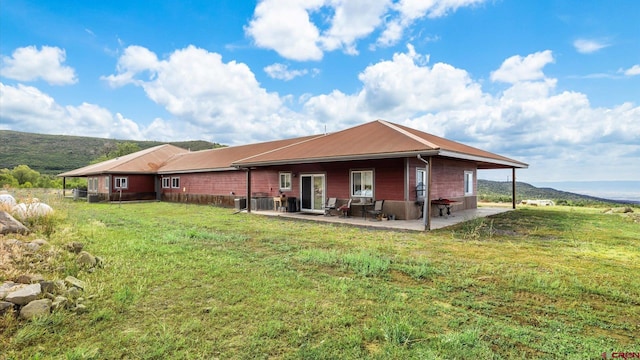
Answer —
(54, 154)
(501, 191)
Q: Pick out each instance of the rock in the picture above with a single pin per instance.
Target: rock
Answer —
(59, 302)
(622, 210)
(99, 261)
(32, 210)
(73, 293)
(9, 225)
(74, 282)
(33, 247)
(23, 294)
(7, 200)
(5, 307)
(47, 286)
(4, 288)
(74, 247)
(36, 308)
(12, 242)
(86, 260)
(29, 278)
(80, 309)
(41, 242)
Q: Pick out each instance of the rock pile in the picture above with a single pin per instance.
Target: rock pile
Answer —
(31, 295)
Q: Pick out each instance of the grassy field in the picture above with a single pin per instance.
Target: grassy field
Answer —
(193, 282)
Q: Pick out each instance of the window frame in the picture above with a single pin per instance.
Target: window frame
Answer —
(363, 186)
(175, 182)
(106, 183)
(424, 183)
(468, 183)
(286, 176)
(118, 181)
(166, 183)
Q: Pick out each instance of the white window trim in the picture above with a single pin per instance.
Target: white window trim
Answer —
(106, 183)
(166, 182)
(352, 193)
(424, 184)
(173, 182)
(118, 182)
(287, 177)
(468, 183)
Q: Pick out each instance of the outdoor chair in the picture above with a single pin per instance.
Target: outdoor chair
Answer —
(331, 205)
(377, 209)
(344, 209)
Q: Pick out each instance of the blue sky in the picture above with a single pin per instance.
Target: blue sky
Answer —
(555, 84)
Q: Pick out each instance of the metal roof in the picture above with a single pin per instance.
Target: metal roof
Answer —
(377, 139)
(222, 158)
(374, 140)
(146, 161)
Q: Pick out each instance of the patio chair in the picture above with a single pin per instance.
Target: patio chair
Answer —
(331, 205)
(377, 209)
(344, 209)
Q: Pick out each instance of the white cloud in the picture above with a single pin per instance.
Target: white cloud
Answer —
(26, 107)
(588, 46)
(518, 68)
(287, 26)
(282, 72)
(633, 71)
(408, 11)
(30, 64)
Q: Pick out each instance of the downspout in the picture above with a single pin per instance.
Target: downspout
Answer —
(513, 187)
(426, 206)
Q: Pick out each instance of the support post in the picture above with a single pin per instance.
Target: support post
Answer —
(248, 190)
(513, 187)
(428, 197)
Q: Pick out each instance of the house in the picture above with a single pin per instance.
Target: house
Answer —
(379, 160)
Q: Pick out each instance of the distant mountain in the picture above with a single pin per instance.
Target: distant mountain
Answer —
(501, 191)
(54, 154)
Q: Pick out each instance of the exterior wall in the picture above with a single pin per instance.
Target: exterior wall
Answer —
(448, 183)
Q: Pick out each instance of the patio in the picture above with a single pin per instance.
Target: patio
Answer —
(437, 222)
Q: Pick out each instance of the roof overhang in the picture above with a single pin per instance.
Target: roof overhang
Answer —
(193, 171)
(501, 163)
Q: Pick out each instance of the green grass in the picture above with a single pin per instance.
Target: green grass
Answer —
(194, 282)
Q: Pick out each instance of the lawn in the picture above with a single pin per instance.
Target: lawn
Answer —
(193, 282)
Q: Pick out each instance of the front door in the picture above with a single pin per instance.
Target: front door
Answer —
(312, 193)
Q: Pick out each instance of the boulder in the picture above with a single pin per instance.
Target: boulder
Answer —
(4, 288)
(33, 247)
(59, 302)
(7, 200)
(86, 260)
(47, 286)
(41, 242)
(9, 225)
(36, 308)
(75, 247)
(34, 209)
(74, 282)
(5, 306)
(23, 294)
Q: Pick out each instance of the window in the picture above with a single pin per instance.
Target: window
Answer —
(106, 183)
(285, 181)
(166, 182)
(175, 182)
(121, 182)
(421, 182)
(362, 183)
(468, 182)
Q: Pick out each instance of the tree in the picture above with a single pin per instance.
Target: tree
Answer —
(24, 174)
(122, 149)
(7, 179)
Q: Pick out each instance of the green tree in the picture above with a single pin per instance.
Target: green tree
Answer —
(24, 174)
(7, 179)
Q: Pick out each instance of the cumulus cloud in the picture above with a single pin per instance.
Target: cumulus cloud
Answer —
(588, 46)
(26, 107)
(406, 12)
(518, 68)
(282, 72)
(632, 71)
(287, 26)
(30, 64)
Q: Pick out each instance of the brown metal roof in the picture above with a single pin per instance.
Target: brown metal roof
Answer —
(377, 139)
(146, 161)
(222, 158)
